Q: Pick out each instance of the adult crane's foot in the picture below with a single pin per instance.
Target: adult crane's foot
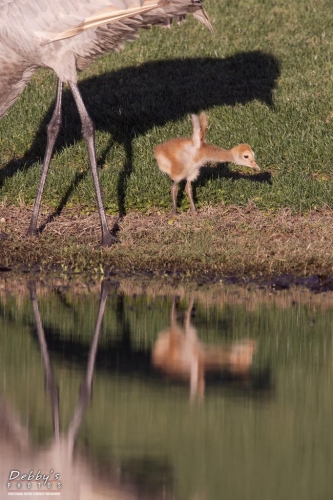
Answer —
(109, 239)
(32, 232)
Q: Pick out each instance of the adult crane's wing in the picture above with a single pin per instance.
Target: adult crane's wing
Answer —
(118, 11)
(60, 19)
(105, 16)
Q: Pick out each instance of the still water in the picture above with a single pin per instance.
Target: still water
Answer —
(143, 391)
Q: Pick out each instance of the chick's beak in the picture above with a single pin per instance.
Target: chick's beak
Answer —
(255, 166)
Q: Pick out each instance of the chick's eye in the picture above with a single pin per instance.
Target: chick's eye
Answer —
(246, 156)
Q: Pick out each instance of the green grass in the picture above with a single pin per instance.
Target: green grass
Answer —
(264, 76)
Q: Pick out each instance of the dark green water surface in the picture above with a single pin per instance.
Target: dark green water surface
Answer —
(80, 395)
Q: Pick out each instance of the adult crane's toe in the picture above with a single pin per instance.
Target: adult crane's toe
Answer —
(109, 239)
(32, 232)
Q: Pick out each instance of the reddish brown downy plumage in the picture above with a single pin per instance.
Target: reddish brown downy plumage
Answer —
(179, 353)
(182, 158)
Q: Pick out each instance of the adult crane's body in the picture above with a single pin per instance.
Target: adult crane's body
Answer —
(66, 35)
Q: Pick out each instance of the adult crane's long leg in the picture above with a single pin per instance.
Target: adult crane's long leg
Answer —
(53, 129)
(88, 132)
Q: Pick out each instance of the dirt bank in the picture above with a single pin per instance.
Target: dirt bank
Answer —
(218, 242)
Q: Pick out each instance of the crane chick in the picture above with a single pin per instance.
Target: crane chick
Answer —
(181, 158)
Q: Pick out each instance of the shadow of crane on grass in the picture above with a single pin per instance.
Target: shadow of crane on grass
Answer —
(152, 94)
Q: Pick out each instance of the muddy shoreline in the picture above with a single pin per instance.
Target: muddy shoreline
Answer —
(237, 245)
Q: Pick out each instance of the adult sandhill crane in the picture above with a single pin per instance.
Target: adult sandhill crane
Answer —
(67, 35)
(64, 468)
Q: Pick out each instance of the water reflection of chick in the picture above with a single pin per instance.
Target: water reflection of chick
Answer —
(78, 478)
(179, 353)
